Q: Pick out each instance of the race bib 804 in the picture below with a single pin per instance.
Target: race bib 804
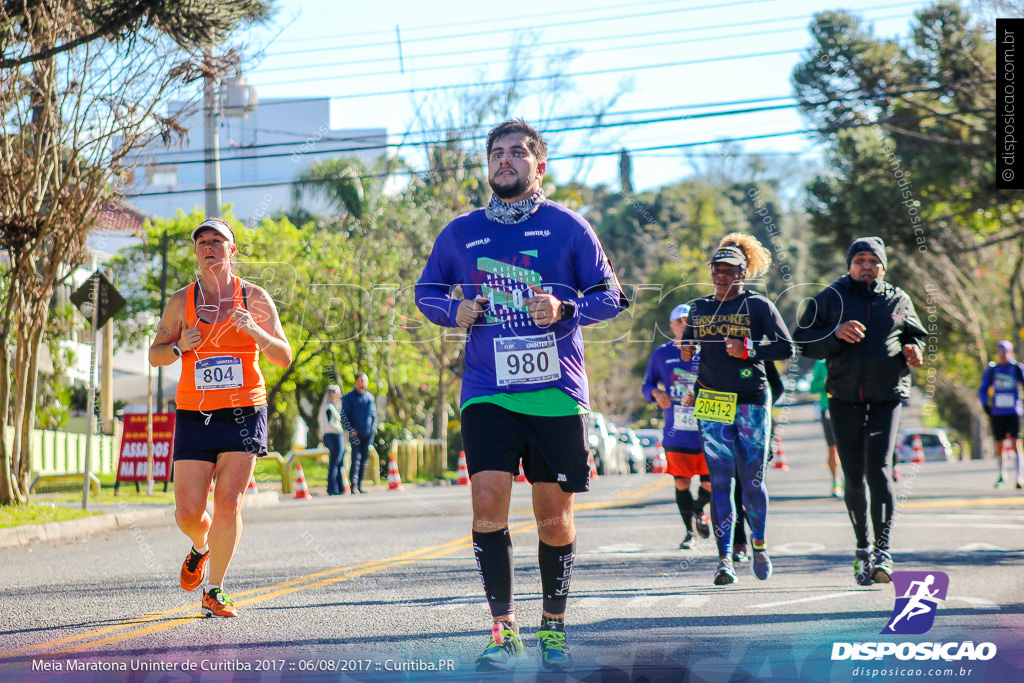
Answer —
(219, 372)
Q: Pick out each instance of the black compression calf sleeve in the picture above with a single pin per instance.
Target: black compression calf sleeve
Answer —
(555, 573)
(493, 551)
(703, 498)
(684, 500)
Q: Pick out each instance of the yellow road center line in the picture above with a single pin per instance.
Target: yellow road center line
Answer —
(132, 628)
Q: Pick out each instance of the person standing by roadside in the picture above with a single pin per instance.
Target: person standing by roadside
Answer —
(667, 382)
(331, 431)
(868, 332)
(532, 273)
(818, 377)
(217, 326)
(739, 331)
(1004, 409)
(359, 417)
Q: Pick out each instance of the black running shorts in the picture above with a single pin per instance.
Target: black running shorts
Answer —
(1005, 426)
(227, 430)
(553, 449)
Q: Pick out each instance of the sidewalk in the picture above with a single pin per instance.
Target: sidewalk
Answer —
(113, 516)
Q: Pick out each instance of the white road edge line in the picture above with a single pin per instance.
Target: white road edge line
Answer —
(815, 598)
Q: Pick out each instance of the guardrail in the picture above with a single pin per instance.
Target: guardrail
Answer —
(425, 458)
(73, 477)
(56, 452)
(286, 463)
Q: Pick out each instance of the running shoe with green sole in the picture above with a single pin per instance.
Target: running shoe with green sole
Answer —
(862, 568)
(554, 654)
(216, 604)
(505, 650)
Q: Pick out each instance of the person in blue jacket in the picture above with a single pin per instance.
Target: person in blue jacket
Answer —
(1004, 408)
(531, 273)
(359, 417)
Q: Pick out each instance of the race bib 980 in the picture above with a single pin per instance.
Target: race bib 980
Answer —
(526, 360)
(220, 372)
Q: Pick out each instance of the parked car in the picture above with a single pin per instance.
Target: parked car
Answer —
(604, 444)
(935, 443)
(630, 444)
(650, 441)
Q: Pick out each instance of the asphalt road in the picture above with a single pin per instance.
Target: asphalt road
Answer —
(384, 587)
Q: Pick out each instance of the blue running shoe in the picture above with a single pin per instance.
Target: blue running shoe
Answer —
(762, 564)
(554, 654)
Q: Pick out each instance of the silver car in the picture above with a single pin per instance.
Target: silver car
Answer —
(629, 443)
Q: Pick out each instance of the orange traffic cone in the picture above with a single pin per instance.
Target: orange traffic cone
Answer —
(780, 455)
(463, 479)
(345, 488)
(593, 466)
(917, 450)
(213, 483)
(252, 486)
(301, 489)
(522, 473)
(660, 465)
(394, 478)
(1009, 451)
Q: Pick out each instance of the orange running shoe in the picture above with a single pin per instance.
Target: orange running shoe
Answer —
(193, 569)
(216, 604)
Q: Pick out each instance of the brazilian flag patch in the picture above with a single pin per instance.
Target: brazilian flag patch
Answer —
(746, 373)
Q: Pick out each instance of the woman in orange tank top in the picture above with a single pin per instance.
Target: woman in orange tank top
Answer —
(217, 326)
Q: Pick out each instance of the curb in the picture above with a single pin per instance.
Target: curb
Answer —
(52, 531)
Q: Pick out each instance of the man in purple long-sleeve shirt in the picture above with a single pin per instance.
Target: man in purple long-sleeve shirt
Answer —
(532, 273)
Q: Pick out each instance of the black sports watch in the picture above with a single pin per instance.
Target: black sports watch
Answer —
(568, 310)
(176, 350)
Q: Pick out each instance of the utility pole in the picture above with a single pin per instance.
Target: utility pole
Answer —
(211, 137)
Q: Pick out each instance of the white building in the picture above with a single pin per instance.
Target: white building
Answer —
(261, 155)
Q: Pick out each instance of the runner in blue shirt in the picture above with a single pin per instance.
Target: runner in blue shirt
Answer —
(667, 381)
(531, 272)
(1004, 409)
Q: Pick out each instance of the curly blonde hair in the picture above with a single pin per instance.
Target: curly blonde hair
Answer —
(758, 258)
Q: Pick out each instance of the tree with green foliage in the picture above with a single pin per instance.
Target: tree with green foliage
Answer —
(81, 87)
(910, 129)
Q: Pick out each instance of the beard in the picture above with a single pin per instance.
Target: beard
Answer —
(508, 190)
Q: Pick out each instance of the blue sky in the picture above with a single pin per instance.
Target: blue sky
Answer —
(668, 58)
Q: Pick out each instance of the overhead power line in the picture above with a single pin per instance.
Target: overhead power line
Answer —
(581, 155)
(533, 27)
(457, 135)
(584, 43)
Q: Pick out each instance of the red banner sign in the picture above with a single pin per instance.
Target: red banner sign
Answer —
(134, 457)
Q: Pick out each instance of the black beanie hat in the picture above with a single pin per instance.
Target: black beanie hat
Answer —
(875, 245)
